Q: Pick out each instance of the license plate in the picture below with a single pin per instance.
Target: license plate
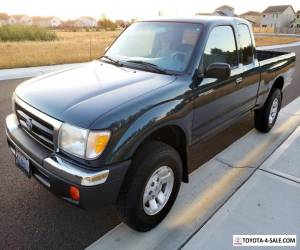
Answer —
(23, 163)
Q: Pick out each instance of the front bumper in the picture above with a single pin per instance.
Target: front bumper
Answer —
(97, 188)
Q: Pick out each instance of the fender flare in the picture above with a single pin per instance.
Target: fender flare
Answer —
(165, 114)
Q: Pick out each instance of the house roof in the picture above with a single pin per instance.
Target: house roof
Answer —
(38, 18)
(42, 18)
(251, 13)
(277, 9)
(4, 16)
(298, 12)
(204, 14)
(225, 7)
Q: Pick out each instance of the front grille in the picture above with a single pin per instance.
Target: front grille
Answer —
(42, 131)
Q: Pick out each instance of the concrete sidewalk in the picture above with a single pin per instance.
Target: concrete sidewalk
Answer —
(214, 185)
(269, 203)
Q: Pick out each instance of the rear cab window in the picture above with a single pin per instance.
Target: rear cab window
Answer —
(246, 44)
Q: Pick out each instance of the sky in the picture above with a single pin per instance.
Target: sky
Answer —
(129, 9)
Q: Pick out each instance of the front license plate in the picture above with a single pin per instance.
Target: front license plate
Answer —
(23, 163)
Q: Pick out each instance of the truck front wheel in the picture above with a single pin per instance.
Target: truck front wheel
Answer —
(151, 186)
(266, 116)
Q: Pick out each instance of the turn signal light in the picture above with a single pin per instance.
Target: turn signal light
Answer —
(74, 193)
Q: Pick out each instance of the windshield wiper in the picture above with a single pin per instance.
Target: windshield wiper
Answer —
(115, 62)
(149, 65)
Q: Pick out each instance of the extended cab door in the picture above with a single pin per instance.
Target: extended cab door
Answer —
(217, 101)
(248, 82)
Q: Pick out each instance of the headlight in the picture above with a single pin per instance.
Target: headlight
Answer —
(73, 140)
(82, 142)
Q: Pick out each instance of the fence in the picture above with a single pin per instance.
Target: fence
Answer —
(263, 29)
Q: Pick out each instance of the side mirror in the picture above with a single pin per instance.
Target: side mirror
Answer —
(218, 70)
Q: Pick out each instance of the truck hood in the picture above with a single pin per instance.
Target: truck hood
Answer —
(82, 94)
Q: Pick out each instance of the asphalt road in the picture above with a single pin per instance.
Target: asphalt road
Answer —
(33, 218)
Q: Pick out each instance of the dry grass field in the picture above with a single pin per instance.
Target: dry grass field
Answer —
(71, 47)
(74, 47)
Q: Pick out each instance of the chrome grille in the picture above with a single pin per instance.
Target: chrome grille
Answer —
(38, 125)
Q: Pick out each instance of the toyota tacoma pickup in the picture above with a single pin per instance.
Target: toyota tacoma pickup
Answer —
(119, 130)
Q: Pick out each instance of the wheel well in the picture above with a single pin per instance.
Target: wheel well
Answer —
(279, 83)
(175, 137)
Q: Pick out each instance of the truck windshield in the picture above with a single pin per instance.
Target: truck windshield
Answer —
(162, 46)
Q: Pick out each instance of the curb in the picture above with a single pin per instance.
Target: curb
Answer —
(211, 185)
(266, 204)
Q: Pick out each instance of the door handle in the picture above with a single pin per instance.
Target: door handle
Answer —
(239, 80)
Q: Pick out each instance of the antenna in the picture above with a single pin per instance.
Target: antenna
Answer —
(90, 47)
(91, 42)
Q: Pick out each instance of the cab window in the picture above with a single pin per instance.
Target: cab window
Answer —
(221, 47)
(247, 50)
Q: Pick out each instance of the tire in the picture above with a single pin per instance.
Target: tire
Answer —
(152, 159)
(262, 116)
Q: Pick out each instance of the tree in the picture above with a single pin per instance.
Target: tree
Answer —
(106, 23)
(121, 23)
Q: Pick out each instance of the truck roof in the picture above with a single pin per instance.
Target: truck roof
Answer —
(196, 19)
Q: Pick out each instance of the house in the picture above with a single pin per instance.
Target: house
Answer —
(46, 21)
(297, 20)
(39, 21)
(11, 20)
(54, 21)
(86, 22)
(69, 24)
(280, 16)
(21, 19)
(4, 19)
(224, 10)
(252, 16)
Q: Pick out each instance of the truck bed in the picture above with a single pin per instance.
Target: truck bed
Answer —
(274, 59)
(263, 55)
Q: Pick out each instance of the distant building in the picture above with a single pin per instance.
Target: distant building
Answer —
(252, 16)
(4, 19)
(68, 24)
(86, 22)
(225, 10)
(21, 19)
(297, 20)
(280, 16)
(46, 21)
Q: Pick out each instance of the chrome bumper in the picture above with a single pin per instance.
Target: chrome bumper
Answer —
(55, 164)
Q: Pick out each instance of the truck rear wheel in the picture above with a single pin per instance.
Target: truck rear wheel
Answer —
(266, 116)
(151, 186)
